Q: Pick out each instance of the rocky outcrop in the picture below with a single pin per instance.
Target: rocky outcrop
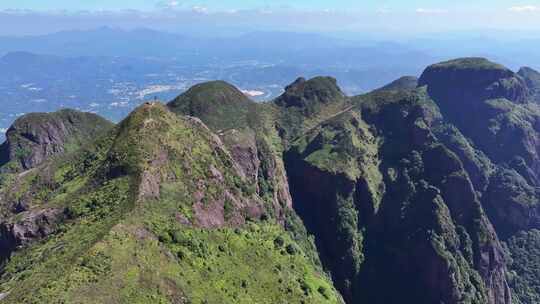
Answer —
(35, 137)
(243, 148)
(29, 226)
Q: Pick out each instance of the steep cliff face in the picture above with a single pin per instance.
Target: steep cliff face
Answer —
(336, 187)
(35, 137)
(489, 104)
(496, 111)
(388, 201)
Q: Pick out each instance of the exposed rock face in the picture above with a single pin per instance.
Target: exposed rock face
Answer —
(216, 203)
(29, 227)
(35, 137)
(245, 132)
(243, 148)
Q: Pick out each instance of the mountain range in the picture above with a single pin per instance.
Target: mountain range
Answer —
(304, 49)
(426, 190)
(111, 71)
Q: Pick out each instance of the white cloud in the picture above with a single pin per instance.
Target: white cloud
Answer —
(169, 4)
(524, 9)
(120, 104)
(200, 9)
(431, 11)
(3, 130)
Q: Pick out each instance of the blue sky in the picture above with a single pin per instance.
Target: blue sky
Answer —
(399, 5)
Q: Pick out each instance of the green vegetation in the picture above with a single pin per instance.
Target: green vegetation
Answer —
(342, 145)
(403, 83)
(524, 266)
(532, 79)
(220, 105)
(305, 104)
(475, 63)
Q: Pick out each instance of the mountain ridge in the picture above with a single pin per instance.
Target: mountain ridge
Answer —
(430, 191)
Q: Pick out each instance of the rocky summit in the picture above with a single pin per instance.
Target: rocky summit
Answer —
(424, 191)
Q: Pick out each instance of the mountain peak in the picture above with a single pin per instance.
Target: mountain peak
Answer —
(527, 70)
(316, 90)
(470, 63)
(219, 104)
(402, 83)
(532, 79)
(34, 137)
(473, 79)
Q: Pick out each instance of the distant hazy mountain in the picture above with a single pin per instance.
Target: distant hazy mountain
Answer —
(276, 47)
